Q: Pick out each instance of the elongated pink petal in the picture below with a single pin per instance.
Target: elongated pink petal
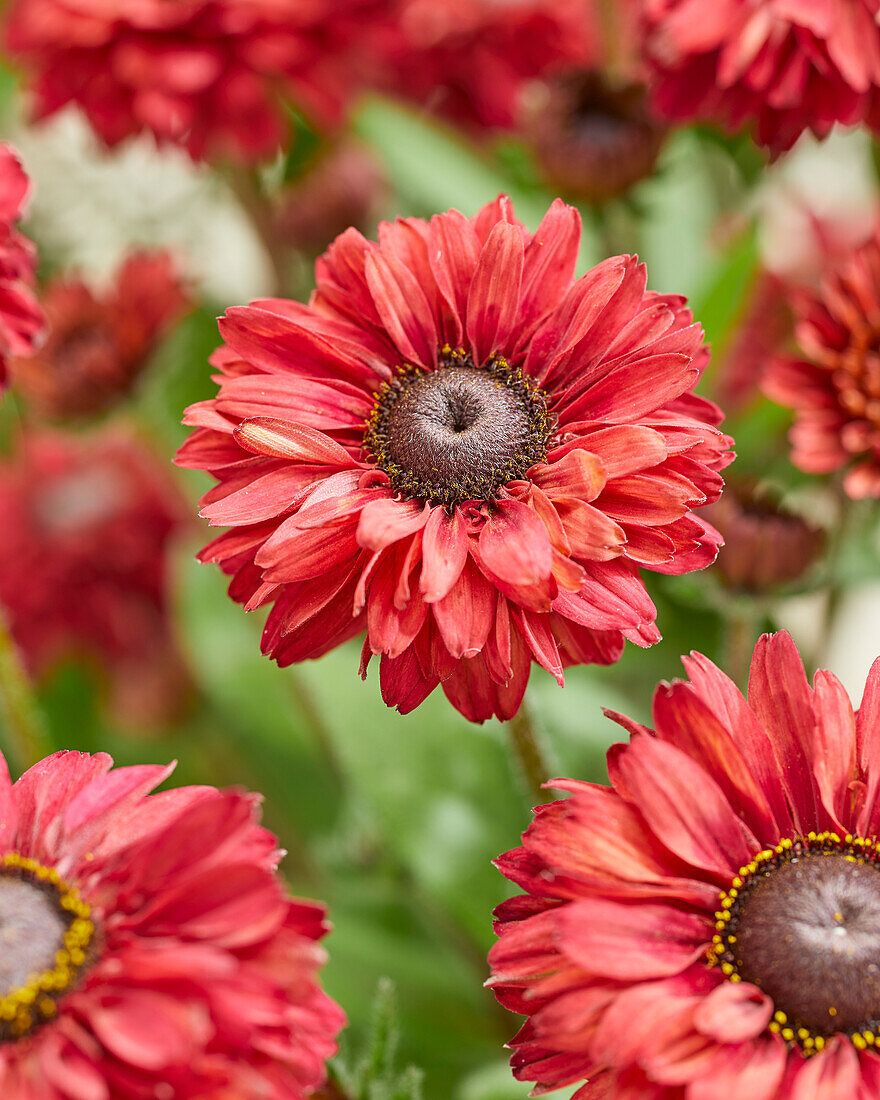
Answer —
(781, 700)
(514, 544)
(465, 614)
(493, 299)
(700, 828)
(385, 521)
(631, 942)
(444, 552)
(402, 306)
(265, 435)
(734, 1012)
(578, 474)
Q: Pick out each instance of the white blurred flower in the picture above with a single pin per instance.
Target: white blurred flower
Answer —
(819, 202)
(90, 206)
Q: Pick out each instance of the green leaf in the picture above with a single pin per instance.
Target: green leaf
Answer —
(434, 168)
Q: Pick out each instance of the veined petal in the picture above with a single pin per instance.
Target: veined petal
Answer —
(493, 298)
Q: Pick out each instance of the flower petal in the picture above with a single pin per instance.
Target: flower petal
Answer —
(267, 435)
(386, 520)
(402, 305)
(734, 1012)
(444, 552)
(514, 544)
(631, 942)
(493, 299)
(683, 806)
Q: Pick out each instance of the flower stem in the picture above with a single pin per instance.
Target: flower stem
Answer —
(525, 743)
(27, 739)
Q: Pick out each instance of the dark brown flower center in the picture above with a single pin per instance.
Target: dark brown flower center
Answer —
(804, 926)
(460, 432)
(593, 138)
(45, 939)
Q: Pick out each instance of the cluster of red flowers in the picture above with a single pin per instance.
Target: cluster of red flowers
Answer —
(462, 450)
(835, 388)
(778, 66)
(205, 74)
(97, 345)
(465, 454)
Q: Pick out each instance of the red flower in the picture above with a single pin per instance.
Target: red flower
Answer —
(835, 388)
(21, 319)
(97, 345)
(780, 66)
(706, 928)
(467, 60)
(156, 953)
(463, 450)
(87, 522)
(205, 74)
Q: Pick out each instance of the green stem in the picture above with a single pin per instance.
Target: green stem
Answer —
(27, 736)
(525, 743)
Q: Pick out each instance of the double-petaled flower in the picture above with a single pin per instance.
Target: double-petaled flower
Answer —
(463, 451)
(708, 927)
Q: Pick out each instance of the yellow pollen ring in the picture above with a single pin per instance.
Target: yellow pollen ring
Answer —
(721, 952)
(25, 1006)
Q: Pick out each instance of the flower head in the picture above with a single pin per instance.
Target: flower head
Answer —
(156, 951)
(204, 74)
(708, 926)
(344, 187)
(778, 66)
(467, 60)
(97, 344)
(87, 525)
(835, 387)
(766, 545)
(21, 319)
(593, 138)
(462, 450)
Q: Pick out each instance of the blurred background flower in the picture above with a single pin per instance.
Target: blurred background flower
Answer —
(96, 346)
(83, 564)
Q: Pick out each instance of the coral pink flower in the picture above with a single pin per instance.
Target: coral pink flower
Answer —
(205, 74)
(463, 450)
(156, 953)
(87, 522)
(21, 319)
(97, 345)
(835, 388)
(467, 60)
(779, 66)
(707, 928)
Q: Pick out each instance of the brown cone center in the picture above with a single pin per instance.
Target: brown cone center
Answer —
(808, 934)
(459, 432)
